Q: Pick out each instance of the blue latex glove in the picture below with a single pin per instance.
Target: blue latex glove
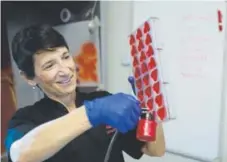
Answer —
(121, 111)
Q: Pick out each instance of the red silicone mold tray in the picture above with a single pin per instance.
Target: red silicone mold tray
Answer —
(146, 71)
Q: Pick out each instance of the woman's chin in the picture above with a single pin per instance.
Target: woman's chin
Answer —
(69, 89)
(66, 89)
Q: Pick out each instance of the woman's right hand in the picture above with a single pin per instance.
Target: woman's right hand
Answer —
(121, 111)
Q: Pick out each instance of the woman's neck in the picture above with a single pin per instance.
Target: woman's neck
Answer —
(67, 100)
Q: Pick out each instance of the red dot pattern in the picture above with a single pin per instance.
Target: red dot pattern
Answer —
(146, 72)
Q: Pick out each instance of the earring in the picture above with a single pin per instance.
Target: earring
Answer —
(33, 87)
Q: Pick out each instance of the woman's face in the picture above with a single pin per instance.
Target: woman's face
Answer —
(55, 72)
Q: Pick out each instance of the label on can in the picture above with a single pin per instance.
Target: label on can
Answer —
(146, 114)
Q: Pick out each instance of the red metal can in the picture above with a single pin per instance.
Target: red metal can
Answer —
(146, 129)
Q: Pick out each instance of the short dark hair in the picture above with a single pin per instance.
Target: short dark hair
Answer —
(31, 40)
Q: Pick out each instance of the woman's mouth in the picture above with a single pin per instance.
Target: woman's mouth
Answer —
(65, 81)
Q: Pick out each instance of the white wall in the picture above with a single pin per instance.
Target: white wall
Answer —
(117, 24)
(223, 141)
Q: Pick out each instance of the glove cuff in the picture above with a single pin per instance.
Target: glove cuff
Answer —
(92, 112)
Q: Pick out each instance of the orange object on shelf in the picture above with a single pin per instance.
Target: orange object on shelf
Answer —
(86, 62)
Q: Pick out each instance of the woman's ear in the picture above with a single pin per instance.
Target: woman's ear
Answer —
(28, 80)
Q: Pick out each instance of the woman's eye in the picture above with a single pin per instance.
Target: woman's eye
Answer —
(66, 57)
(48, 66)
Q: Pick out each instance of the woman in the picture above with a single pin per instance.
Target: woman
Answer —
(67, 125)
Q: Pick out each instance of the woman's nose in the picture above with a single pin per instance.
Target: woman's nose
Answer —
(63, 68)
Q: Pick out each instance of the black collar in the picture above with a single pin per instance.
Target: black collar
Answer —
(57, 105)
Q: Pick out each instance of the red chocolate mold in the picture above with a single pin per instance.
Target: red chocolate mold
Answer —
(161, 112)
(156, 87)
(152, 63)
(133, 50)
(154, 75)
(144, 67)
(137, 72)
(150, 51)
(146, 79)
(135, 61)
(150, 104)
(148, 91)
(146, 27)
(148, 39)
(142, 56)
(132, 40)
(138, 34)
(140, 45)
(140, 95)
(139, 84)
(159, 100)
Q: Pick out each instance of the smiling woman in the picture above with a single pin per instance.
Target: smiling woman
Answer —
(52, 67)
(55, 71)
(66, 123)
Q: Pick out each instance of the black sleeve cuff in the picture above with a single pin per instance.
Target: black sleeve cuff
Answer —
(131, 145)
